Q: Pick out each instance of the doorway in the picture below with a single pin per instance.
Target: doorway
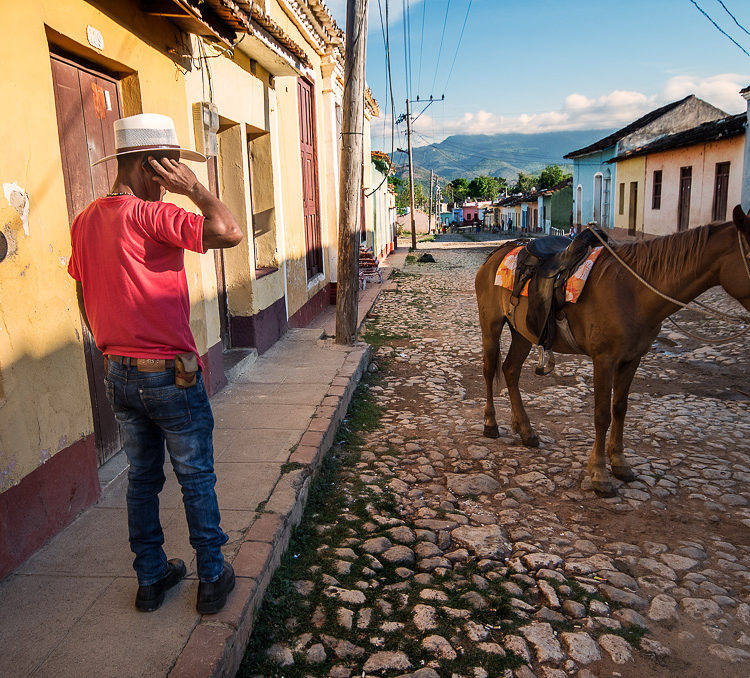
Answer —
(87, 104)
(683, 211)
(632, 208)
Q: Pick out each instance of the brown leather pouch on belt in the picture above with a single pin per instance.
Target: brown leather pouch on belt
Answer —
(185, 370)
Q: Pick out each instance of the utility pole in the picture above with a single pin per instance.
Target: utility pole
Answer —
(350, 183)
(432, 180)
(411, 178)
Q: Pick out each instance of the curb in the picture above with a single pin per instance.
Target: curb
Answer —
(217, 644)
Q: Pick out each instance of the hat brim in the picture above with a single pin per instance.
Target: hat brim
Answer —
(185, 154)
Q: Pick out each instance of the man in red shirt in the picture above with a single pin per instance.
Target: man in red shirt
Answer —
(127, 259)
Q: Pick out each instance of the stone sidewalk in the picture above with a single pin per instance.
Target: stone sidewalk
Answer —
(68, 610)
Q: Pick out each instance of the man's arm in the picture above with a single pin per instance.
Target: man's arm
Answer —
(82, 307)
(220, 229)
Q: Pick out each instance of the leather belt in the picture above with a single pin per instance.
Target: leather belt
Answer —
(142, 364)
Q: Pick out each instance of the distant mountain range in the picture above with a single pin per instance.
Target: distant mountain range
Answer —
(497, 155)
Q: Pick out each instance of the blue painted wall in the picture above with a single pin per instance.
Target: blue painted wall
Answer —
(585, 170)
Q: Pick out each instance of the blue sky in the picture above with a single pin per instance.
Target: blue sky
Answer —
(544, 65)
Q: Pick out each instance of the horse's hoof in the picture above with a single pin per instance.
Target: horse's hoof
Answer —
(530, 441)
(491, 432)
(624, 473)
(604, 488)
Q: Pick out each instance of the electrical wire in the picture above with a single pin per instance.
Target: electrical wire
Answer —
(458, 45)
(440, 49)
(733, 17)
(408, 34)
(386, 39)
(421, 46)
(718, 28)
(406, 51)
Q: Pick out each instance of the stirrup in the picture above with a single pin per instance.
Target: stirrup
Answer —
(546, 362)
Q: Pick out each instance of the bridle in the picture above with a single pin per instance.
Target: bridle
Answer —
(694, 305)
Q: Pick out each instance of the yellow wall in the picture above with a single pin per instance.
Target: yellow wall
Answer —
(628, 171)
(44, 404)
(299, 290)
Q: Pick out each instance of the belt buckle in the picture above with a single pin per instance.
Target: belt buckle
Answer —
(151, 362)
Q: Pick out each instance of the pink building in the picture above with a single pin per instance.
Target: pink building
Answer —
(470, 212)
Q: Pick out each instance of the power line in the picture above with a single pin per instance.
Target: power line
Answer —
(406, 52)
(719, 28)
(458, 45)
(389, 87)
(733, 17)
(408, 38)
(440, 49)
(421, 45)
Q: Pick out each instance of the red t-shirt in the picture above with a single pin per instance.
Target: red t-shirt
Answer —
(128, 255)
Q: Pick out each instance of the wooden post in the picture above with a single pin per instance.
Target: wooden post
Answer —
(411, 178)
(350, 183)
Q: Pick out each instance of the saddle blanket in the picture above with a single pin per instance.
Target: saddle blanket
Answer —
(506, 274)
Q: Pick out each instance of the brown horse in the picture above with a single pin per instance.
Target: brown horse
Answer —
(615, 321)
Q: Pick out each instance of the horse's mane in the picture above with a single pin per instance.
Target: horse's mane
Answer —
(499, 247)
(655, 259)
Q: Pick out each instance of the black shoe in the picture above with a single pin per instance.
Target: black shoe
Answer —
(213, 596)
(150, 598)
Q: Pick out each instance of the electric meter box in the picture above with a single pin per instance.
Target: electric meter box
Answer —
(206, 125)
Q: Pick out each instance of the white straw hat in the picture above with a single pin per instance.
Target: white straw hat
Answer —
(147, 132)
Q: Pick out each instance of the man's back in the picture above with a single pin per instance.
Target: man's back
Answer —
(128, 256)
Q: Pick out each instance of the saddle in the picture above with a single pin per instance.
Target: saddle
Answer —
(546, 264)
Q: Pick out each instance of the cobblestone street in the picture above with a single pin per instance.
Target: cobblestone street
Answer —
(428, 550)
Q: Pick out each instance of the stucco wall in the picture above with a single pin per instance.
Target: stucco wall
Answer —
(561, 205)
(628, 171)
(584, 171)
(241, 98)
(703, 159)
(44, 404)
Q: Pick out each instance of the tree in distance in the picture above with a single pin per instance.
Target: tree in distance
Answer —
(551, 176)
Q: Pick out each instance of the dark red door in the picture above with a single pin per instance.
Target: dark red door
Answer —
(87, 103)
(309, 159)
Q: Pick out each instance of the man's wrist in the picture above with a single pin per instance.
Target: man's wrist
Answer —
(197, 191)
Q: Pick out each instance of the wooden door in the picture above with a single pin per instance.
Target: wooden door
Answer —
(632, 210)
(87, 104)
(721, 188)
(309, 160)
(683, 210)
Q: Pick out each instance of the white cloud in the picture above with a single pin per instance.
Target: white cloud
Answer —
(615, 109)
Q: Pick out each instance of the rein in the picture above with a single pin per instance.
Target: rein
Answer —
(694, 305)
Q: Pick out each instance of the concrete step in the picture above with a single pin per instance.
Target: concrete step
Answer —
(237, 360)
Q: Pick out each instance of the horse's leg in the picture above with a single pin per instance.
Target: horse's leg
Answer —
(600, 478)
(623, 378)
(491, 356)
(519, 349)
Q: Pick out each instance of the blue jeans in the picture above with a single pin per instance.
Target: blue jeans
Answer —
(151, 410)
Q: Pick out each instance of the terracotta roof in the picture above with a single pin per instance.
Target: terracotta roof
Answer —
(372, 103)
(238, 14)
(725, 128)
(613, 138)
